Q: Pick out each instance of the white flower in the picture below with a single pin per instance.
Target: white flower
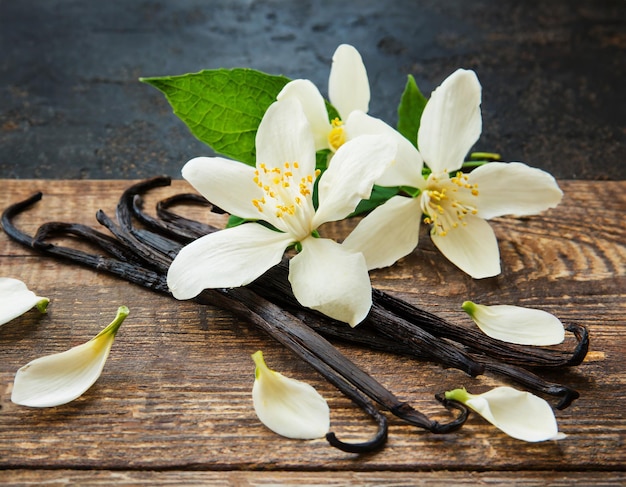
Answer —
(16, 299)
(348, 90)
(287, 406)
(516, 324)
(457, 205)
(519, 414)
(324, 275)
(62, 377)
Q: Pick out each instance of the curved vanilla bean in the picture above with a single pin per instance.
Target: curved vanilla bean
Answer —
(12, 211)
(479, 342)
(104, 242)
(163, 212)
(128, 271)
(532, 381)
(156, 248)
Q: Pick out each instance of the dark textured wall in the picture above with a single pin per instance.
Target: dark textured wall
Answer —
(553, 74)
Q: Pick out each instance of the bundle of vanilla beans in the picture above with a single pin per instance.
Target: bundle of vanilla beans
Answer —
(139, 248)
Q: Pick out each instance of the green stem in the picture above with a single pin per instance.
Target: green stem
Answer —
(42, 305)
(459, 395)
(122, 313)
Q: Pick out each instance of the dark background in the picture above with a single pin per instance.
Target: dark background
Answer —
(71, 106)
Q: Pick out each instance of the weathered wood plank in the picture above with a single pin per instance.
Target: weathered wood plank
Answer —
(175, 393)
(334, 479)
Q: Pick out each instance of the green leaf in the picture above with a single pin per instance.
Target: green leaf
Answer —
(410, 110)
(222, 107)
(379, 195)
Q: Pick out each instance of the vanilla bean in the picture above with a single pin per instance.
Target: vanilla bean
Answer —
(481, 343)
(532, 381)
(85, 233)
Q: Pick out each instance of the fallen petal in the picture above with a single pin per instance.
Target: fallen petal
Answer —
(288, 407)
(516, 324)
(16, 299)
(519, 414)
(62, 377)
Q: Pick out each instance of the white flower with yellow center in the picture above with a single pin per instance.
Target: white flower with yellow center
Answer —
(324, 275)
(57, 379)
(16, 299)
(349, 93)
(348, 90)
(456, 205)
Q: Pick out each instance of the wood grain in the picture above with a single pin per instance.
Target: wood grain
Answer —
(175, 392)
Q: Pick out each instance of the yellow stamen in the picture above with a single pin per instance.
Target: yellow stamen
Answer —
(447, 201)
(277, 183)
(337, 135)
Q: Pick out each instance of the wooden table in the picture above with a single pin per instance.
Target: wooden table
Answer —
(173, 405)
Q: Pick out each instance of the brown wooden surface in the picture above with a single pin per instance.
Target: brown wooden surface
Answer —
(173, 405)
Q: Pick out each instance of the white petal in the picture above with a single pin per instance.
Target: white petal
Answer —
(284, 135)
(388, 233)
(314, 107)
(16, 299)
(514, 189)
(331, 279)
(225, 183)
(60, 378)
(451, 122)
(472, 247)
(519, 414)
(228, 258)
(348, 86)
(351, 175)
(287, 406)
(515, 324)
(406, 169)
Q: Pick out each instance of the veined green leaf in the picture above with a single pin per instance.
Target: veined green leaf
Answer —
(410, 110)
(222, 107)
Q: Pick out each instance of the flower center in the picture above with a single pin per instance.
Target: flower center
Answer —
(286, 198)
(337, 135)
(448, 200)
